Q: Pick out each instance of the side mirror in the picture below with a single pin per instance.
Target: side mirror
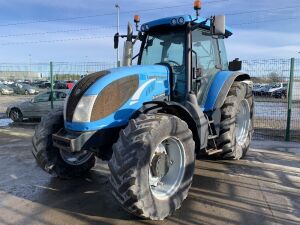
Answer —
(116, 40)
(218, 25)
(235, 65)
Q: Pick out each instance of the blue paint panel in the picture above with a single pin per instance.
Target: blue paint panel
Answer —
(187, 18)
(215, 89)
(153, 80)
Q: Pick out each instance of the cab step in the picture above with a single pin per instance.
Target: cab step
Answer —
(213, 151)
(212, 137)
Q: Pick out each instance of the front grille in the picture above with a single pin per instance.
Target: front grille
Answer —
(79, 89)
(113, 96)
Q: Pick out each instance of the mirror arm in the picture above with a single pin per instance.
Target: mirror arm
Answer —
(135, 56)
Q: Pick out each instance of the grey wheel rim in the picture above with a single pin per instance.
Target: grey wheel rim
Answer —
(242, 122)
(14, 115)
(75, 159)
(168, 183)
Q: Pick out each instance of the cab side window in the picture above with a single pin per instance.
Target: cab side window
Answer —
(206, 59)
(223, 55)
(206, 50)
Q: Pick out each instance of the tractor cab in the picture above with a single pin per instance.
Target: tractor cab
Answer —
(192, 47)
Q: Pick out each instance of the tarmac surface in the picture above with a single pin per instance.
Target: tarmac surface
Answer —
(263, 188)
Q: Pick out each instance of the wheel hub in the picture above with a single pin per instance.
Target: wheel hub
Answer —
(160, 165)
(166, 168)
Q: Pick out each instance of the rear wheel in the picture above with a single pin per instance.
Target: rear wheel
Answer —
(54, 161)
(152, 165)
(16, 115)
(236, 121)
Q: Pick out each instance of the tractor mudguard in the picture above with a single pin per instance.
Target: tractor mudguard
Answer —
(189, 113)
(220, 88)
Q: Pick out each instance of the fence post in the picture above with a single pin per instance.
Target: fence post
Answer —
(51, 83)
(290, 101)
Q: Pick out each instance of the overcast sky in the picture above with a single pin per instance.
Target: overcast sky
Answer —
(44, 30)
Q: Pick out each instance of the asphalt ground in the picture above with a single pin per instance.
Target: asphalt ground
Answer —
(263, 188)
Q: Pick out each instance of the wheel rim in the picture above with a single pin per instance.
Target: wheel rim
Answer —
(77, 158)
(242, 122)
(167, 178)
(14, 115)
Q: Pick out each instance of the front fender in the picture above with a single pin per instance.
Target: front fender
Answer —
(220, 87)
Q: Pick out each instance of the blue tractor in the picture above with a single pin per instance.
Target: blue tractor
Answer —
(150, 121)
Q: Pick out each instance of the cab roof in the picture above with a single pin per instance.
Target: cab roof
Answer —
(184, 19)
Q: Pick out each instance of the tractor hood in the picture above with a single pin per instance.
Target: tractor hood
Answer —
(109, 98)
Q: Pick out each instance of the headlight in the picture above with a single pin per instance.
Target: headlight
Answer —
(84, 109)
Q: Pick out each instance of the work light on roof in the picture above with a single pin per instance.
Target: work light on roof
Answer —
(174, 21)
(181, 20)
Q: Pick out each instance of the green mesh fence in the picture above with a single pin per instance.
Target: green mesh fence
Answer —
(271, 80)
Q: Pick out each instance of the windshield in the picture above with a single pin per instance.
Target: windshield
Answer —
(168, 47)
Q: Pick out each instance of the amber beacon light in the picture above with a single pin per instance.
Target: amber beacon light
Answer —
(197, 5)
(137, 18)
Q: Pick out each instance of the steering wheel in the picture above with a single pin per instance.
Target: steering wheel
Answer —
(174, 62)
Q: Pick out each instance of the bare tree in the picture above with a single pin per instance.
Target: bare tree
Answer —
(274, 77)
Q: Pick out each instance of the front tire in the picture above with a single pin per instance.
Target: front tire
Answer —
(152, 165)
(51, 159)
(236, 125)
(16, 115)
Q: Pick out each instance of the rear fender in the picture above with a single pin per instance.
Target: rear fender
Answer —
(220, 87)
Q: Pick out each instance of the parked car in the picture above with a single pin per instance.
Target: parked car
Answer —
(280, 93)
(37, 107)
(262, 90)
(24, 89)
(60, 85)
(5, 90)
(275, 87)
(45, 84)
(70, 84)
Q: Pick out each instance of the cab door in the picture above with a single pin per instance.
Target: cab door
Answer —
(205, 62)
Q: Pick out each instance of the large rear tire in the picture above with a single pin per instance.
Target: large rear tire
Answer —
(53, 160)
(236, 122)
(152, 165)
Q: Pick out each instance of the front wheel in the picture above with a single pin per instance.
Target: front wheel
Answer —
(152, 165)
(55, 161)
(16, 115)
(236, 125)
